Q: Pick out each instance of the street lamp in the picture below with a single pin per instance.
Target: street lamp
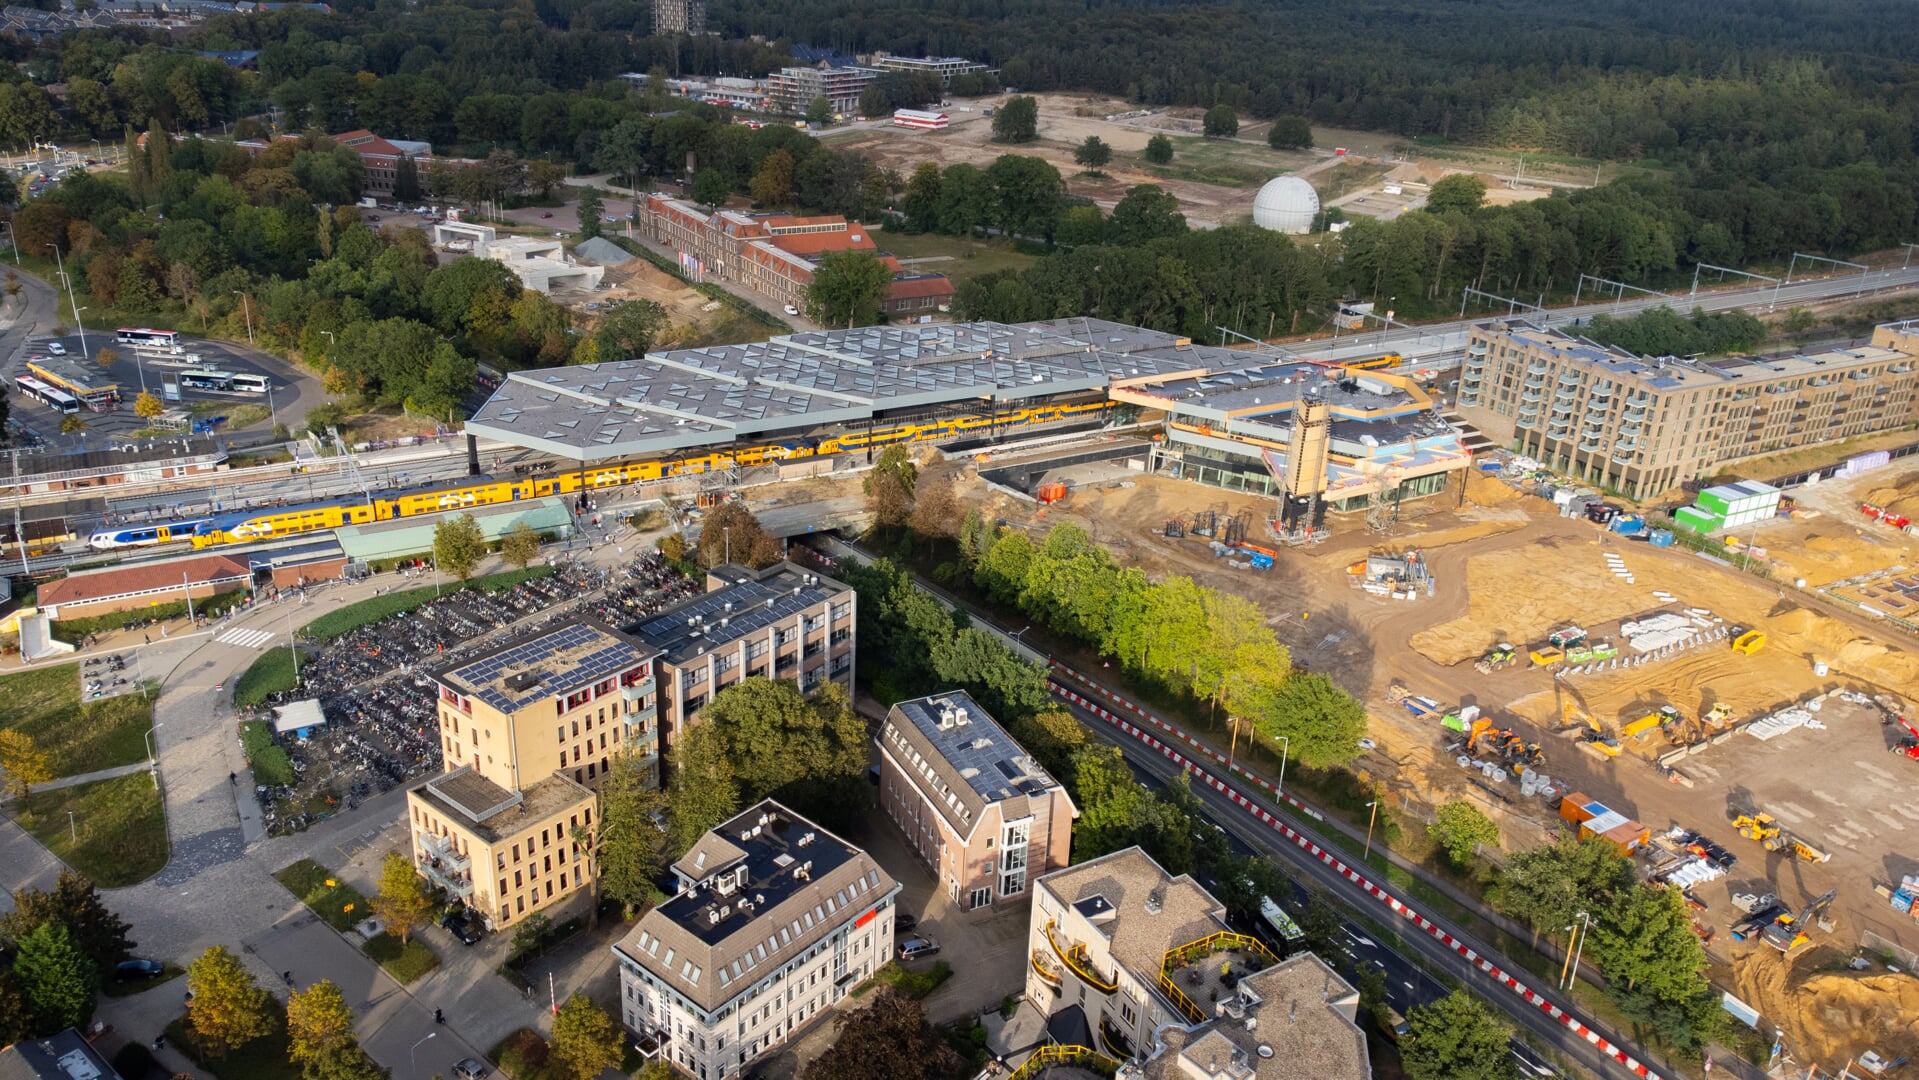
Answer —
(72, 829)
(1580, 918)
(1369, 830)
(60, 263)
(412, 1054)
(246, 304)
(153, 766)
(1285, 748)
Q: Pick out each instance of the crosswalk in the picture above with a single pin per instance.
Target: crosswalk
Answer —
(247, 639)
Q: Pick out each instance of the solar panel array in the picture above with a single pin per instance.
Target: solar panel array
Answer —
(486, 675)
(680, 631)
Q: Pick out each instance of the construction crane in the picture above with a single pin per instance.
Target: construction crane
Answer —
(1774, 837)
(1788, 932)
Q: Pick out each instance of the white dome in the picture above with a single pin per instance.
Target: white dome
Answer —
(1286, 204)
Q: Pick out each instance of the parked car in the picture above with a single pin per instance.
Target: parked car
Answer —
(139, 969)
(792, 309)
(56, 348)
(462, 925)
(470, 1069)
(915, 948)
(548, 214)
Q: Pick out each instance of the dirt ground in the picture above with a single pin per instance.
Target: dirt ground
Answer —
(1830, 1016)
(1508, 568)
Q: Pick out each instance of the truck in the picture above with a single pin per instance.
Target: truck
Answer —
(368, 202)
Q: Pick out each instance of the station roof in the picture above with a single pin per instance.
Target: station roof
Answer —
(722, 394)
(402, 537)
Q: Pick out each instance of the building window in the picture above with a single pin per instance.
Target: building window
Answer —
(982, 897)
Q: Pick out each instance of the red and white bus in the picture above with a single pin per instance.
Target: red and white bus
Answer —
(158, 339)
(919, 120)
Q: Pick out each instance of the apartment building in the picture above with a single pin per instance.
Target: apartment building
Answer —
(973, 804)
(526, 731)
(1645, 425)
(774, 920)
(794, 89)
(946, 67)
(776, 254)
(679, 17)
(782, 622)
(1296, 1019)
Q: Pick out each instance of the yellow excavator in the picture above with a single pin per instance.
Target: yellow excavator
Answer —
(1788, 932)
(1775, 837)
(1573, 713)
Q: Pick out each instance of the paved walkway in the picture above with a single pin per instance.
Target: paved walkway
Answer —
(88, 778)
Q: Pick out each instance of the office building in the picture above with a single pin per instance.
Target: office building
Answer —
(781, 622)
(944, 66)
(794, 89)
(1643, 425)
(774, 920)
(974, 805)
(679, 17)
(527, 730)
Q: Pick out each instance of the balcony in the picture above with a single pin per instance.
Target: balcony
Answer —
(1638, 401)
(1534, 382)
(1600, 393)
(440, 849)
(1476, 350)
(1537, 367)
(1530, 397)
(1046, 970)
(1568, 379)
(1633, 414)
(1076, 961)
(1586, 447)
(1203, 967)
(1624, 457)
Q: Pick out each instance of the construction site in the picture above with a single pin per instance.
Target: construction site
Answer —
(1570, 668)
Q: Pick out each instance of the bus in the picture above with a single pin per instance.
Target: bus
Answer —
(1281, 923)
(206, 379)
(136, 336)
(48, 394)
(250, 384)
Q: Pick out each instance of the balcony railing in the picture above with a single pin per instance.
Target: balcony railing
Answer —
(1076, 961)
(440, 849)
(1083, 1057)
(1181, 956)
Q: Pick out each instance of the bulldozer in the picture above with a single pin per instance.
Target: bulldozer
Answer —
(1718, 717)
(1499, 656)
(1747, 641)
(1788, 932)
(1775, 837)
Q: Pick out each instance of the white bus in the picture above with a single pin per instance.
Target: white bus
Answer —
(206, 379)
(48, 394)
(1282, 923)
(138, 336)
(250, 384)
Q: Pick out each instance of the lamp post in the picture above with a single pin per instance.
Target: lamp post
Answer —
(413, 1054)
(1369, 830)
(72, 829)
(1232, 724)
(1285, 748)
(15, 244)
(60, 264)
(292, 648)
(246, 304)
(153, 766)
(1586, 921)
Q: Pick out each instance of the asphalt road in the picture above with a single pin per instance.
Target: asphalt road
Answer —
(1250, 835)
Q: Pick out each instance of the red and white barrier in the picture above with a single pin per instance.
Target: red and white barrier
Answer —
(1339, 865)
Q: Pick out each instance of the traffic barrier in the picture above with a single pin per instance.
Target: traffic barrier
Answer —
(1339, 865)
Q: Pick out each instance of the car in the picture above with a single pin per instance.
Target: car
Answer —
(915, 948)
(463, 926)
(904, 921)
(546, 215)
(470, 1069)
(139, 969)
(56, 348)
(792, 309)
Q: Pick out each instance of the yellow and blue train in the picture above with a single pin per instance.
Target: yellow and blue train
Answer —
(268, 523)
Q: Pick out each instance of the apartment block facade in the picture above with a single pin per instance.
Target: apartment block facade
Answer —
(527, 730)
(975, 807)
(946, 67)
(774, 920)
(1645, 425)
(679, 17)
(793, 89)
(781, 622)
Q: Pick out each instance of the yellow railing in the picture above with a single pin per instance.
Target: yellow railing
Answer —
(1047, 1056)
(1044, 972)
(1075, 960)
(1223, 941)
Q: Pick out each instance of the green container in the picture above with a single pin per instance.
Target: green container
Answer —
(1714, 503)
(1696, 520)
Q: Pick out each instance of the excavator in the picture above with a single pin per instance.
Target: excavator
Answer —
(1508, 745)
(1774, 837)
(1788, 932)
(1573, 713)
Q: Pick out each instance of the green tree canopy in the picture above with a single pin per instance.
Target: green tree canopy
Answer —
(585, 1041)
(849, 289)
(1290, 133)
(889, 487)
(1322, 722)
(590, 209)
(1456, 193)
(228, 1010)
(403, 901)
(731, 532)
(1017, 121)
(888, 1040)
(630, 330)
(75, 904)
(760, 738)
(632, 847)
(458, 546)
(1459, 827)
(1159, 150)
(57, 979)
(1454, 1038)
(1221, 122)
(1093, 154)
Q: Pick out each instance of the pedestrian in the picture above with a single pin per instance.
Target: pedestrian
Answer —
(439, 1017)
(288, 976)
(233, 779)
(147, 638)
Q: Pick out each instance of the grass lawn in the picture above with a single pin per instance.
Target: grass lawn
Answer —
(307, 880)
(914, 984)
(353, 616)
(78, 737)
(273, 671)
(969, 258)
(113, 987)
(117, 834)
(265, 1058)
(404, 962)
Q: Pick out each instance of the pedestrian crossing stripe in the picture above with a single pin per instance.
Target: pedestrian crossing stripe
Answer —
(249, 639)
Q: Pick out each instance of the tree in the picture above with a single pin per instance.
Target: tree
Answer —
(458, 546)
(761, 738)
(1456, 193)
(57, 980)
(106, 356)
(819, 112)
(585, 1041)
(1547, 886)
(1094, 154)
(227, 1009)
(975, 661)
(1052, 736)
(72, 425)
(1221, 122)
(319, 1025)
(403, 902)
(772, 183)
(16, 1019)
(936, 509)
(1456, 1037)
(590, 210)
(1027, 194)
(630, 330)
(874, 101)
(25, 763)
(1459, 827)
(1290, 133)
(631, 845)
(1017, 121)
(520, 545)
(1159, 150)
(146, 406)
(889, 487)
(849, 289)
(711, 188)
(1146, 213)
(75, 904)
(1322, 723)
(888, 1040)
(406, 180)
(731, 533)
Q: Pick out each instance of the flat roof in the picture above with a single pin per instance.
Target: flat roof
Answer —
(725, 393)
(1666, 373)
(967, 754)
(752, 602)
(535, 667)
(465, 796)
(1112, 892)
(70, 370)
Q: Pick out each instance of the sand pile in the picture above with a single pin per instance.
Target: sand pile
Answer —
(1831, 1017)
(1820, 637)
(1901, 496)
(1483, 489)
